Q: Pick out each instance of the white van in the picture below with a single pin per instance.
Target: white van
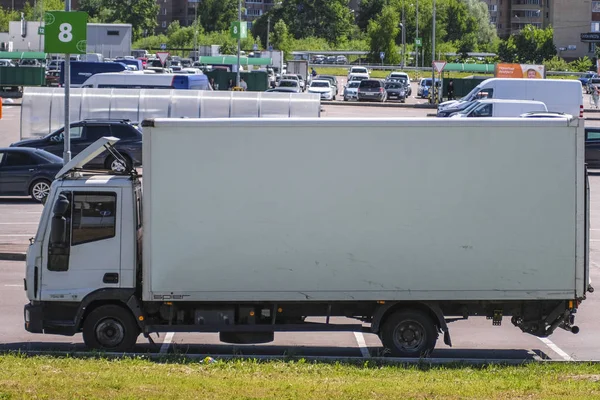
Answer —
(559, 95)
(501, 108)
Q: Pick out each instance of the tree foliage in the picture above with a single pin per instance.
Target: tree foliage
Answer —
(530, 46)
(5, 17)
(217, 15)
(581, 64)
(382, 34)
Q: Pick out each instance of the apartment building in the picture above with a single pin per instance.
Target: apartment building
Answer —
(569, 18)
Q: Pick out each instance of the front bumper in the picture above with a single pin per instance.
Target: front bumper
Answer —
(32, 315)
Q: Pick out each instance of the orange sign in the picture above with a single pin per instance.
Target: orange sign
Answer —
(520, 71)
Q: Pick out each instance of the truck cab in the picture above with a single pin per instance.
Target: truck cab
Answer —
(85, 246)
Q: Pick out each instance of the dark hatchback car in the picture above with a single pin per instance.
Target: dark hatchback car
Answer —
(27, 172)
(372, 90)
(396, 91)
(84, 133)
(592, 147)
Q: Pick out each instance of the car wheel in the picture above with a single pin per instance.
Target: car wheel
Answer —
(115, 165)
(110, 328)
(409, 333)
(39, 189)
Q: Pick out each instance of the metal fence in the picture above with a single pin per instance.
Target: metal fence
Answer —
(42, 110)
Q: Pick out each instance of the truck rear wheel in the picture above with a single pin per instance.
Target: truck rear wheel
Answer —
(110, 328)
(409, 333)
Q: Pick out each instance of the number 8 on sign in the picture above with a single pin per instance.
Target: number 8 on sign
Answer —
(65, 34)
(235, 30)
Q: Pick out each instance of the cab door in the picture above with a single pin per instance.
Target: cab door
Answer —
(88, 256)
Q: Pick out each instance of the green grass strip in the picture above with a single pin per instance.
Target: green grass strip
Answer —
(45, 377)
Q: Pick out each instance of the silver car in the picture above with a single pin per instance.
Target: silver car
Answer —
(351, 90)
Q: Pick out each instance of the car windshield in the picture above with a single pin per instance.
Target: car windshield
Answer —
(393, 85)
(469, 108)
(319, 84)
(51, 158)
(370, 84)
(353, 84)
(288, 84)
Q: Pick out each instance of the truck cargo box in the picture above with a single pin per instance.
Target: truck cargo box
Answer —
(365, 209)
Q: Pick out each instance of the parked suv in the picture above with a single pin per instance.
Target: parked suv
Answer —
(86, 132)
(372, 90)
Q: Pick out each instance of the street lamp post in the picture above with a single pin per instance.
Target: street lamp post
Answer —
(433, 91)
(197, 56)
(416, 36)
(268, 30)
(403, 24)
(239, 43)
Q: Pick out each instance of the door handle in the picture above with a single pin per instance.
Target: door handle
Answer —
(31, 169)
(111, 277)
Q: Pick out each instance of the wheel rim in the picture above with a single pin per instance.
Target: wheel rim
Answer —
(409, 335)
(40, 190)
(117, 166)
(110, 333)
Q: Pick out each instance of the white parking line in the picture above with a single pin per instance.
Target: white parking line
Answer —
(556, 349)
(11, 235)
(164, 348)
(13, 285)
(18, 223)
(362, 345)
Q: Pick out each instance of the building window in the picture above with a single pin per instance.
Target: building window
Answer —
(112, 33)
(595, 27)
(164, 24)
(165, 11)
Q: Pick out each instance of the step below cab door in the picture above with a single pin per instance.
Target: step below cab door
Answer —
(82, 248)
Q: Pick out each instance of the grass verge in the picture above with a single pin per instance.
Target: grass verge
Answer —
(47, 377)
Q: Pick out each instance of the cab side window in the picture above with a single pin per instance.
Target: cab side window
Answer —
(94, 216)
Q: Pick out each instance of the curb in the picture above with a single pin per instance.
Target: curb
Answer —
(12, 256)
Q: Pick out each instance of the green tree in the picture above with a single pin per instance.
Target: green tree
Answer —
(382, 36)
(368, 10)
(281, 38)
(556, 63)
(459, 21)
(581, 64)
(36, 13)
(217, 15)
(141, 14)
(327, 19)
(507, 51)
(534, 45)
(478, 11)
(5, 17)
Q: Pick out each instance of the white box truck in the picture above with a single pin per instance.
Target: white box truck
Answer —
(248, 226)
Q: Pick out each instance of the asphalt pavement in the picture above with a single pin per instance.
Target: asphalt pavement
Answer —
(475, 338)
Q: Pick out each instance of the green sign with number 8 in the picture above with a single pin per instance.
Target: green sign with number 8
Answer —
(65, 32)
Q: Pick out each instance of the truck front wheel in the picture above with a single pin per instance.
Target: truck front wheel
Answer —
(110, 328)
(409, 333)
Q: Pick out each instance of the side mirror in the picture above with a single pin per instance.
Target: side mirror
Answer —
(58, 232)
(61, 206)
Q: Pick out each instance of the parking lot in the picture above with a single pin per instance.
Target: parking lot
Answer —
(474, 338)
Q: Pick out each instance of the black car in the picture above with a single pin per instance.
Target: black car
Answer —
(86, 132)
(396, 91)
(592, 147)
(455, 108)
(27, 172)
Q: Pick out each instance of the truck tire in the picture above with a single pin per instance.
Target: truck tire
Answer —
(110, 328)
(409, 333)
